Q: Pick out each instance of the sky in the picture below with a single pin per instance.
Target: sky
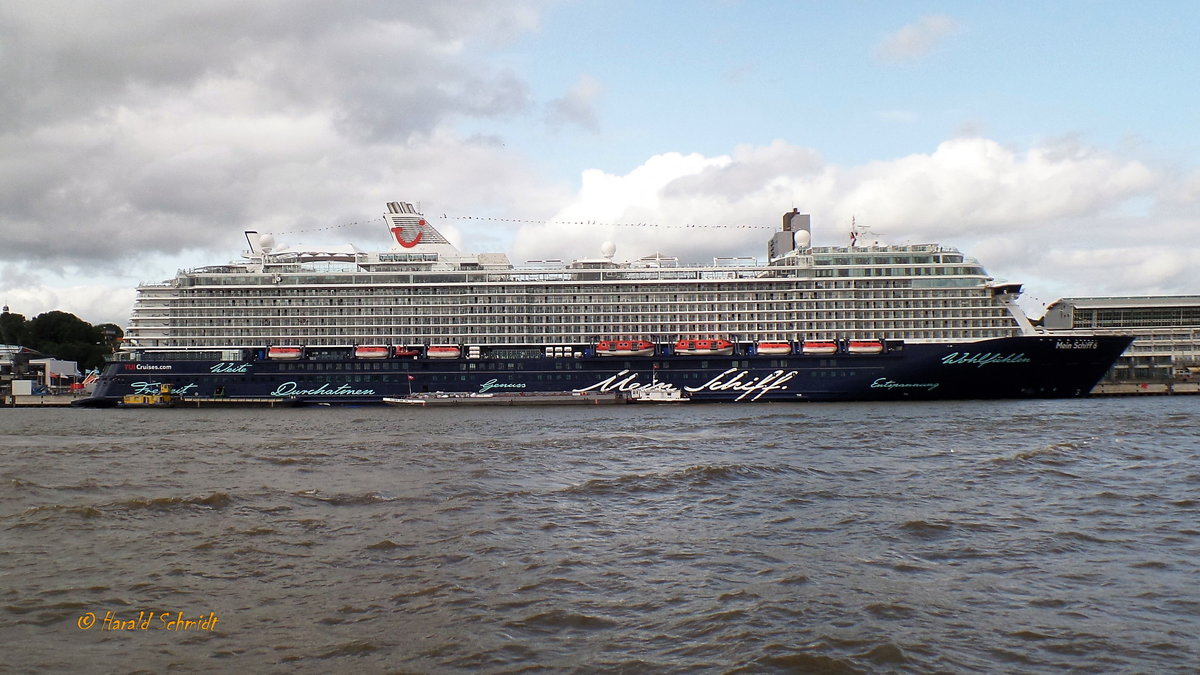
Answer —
(1057, 143)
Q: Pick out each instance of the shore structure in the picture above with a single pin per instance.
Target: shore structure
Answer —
(1165, 355)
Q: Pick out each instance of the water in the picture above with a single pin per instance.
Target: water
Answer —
(959, 537)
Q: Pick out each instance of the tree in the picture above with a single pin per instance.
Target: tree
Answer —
(112, 335)
(12, 328)
(67, 337)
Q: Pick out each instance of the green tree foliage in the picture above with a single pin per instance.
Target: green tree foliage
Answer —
(112, 335)
(12, 329)
(65, 336)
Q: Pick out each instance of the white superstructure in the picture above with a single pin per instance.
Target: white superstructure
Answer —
(424, 291)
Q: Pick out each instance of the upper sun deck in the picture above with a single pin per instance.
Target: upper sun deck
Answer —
(912, 262)
(423, 256)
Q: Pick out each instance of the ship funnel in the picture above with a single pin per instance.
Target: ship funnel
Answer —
(794, 221)
(796, 230)
(409, 228)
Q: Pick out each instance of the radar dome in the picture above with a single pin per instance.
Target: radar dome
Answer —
(803, 239)
(608, 249)
(266, 242)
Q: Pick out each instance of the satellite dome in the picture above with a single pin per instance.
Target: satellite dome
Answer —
(803, 239)
(608, 249)
(266, 242)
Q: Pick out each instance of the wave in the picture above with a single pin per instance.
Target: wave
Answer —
(693, 476)
(288, 461)
(801, 662)
(927, 528)
(385, 545)
(558, 619)
(81, 510)
(215, 500)
(346, 499)
(1052, 453)
(353, 648)
(890, 610)
(1072, 535)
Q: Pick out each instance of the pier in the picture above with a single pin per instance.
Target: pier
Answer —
(1145, 388)
(37, 400)
(233, 402)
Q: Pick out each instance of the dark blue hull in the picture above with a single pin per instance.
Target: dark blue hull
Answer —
(1019, 367)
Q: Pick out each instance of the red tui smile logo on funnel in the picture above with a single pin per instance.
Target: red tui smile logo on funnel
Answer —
(398, 232)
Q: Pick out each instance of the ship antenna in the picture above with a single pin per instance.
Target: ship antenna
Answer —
(858, 231)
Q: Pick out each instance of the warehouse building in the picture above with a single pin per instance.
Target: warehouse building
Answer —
(1167, 331)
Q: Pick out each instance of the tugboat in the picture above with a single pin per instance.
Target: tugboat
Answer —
(654, 395)
(163, 398)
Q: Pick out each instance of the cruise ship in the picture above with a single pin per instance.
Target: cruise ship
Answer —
(336, 325)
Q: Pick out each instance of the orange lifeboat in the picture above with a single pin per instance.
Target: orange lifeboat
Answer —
(285, 353)
(443, 352)
(406, 351)
(704, 347)
(371, 352)
(773, 348)
(819, 347)
(865, 347)
(624, 348)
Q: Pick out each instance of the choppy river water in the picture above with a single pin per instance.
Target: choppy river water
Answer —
(1013, 536)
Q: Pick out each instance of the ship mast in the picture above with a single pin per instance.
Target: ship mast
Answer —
(859, 231)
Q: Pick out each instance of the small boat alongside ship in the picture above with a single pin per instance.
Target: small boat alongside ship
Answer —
(658, 395)
(163, 398)
(442, 398)
(425, 322)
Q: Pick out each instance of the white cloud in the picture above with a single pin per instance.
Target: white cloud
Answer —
(588, 219)
(577, 106)
(1054, 213)
(916, 39)
(95, 304)
(109, 154)
(296, 115)
(973, 183)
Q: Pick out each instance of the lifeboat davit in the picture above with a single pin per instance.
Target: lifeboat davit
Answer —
(443, 352)
(773, 348)
(819, 347)
(624, 348)
(371, 352)
(865, 347)
(704, 347)
(285, 353)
